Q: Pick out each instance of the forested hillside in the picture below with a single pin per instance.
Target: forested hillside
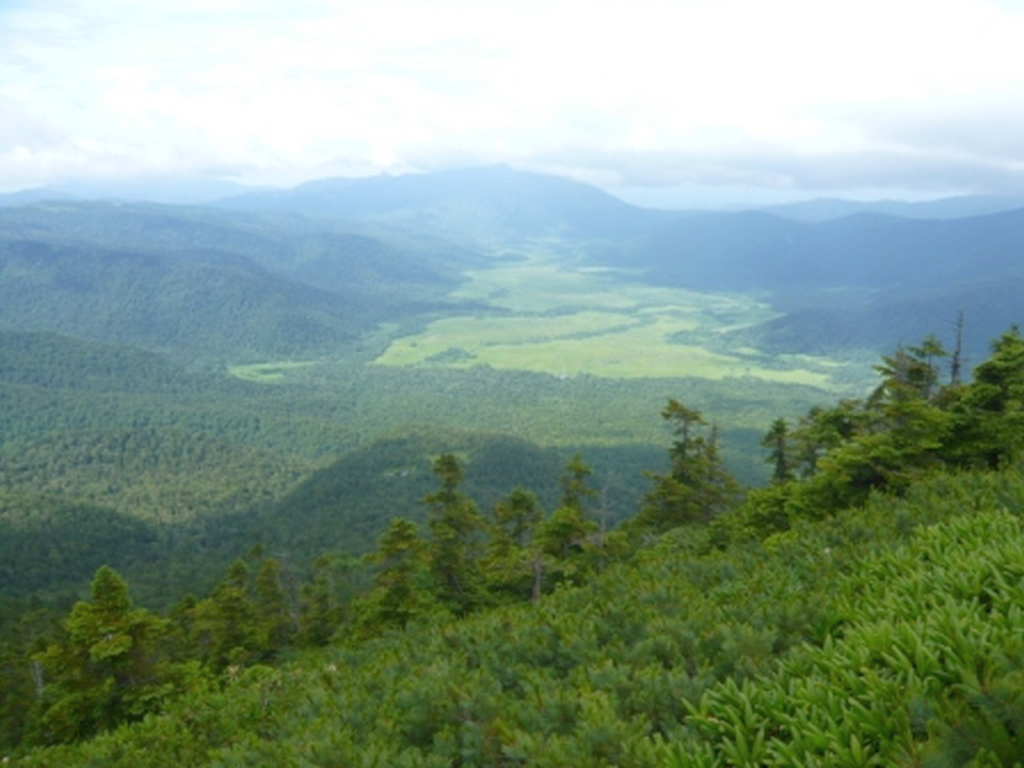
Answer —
(865, 281)
(371, 472)
(308, 271)
(861, 609)
(199, 285)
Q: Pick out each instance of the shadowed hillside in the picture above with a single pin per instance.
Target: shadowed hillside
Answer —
(202, 284)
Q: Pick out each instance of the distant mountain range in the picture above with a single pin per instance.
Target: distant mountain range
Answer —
(198, 283)
(486, 203)
(959, 207)
(759, 251)
(866, 281)
(482, 187)
(171, 191)
(288, 272)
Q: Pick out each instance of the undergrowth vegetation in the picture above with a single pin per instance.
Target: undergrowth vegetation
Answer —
(863, 609)
(889, 636)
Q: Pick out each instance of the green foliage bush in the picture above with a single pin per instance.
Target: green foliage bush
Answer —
(884, 636)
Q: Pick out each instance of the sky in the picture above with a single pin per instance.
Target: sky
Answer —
(662, 102)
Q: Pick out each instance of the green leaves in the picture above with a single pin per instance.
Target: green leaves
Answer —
(784, 634)
(886, 636)
(105, 669)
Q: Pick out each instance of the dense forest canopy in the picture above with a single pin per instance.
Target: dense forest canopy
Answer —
(372, 473)
(887, 541)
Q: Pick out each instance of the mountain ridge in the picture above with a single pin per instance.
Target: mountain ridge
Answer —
(202, 283)
(516, 201)
(301, 271)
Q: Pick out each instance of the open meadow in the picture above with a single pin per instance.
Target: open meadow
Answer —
(548, 317)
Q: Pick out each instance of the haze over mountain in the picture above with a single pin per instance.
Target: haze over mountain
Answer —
(961, 206)
(429, 383)
(483, 202)
(675, 104)
(171, 190)
(295, 272)
(202, 283)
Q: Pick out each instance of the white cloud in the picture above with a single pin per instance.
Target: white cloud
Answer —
(649, 91)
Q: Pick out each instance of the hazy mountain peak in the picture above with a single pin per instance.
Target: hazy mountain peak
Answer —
(465, 201)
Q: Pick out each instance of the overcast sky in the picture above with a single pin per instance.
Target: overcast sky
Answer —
(660, 101)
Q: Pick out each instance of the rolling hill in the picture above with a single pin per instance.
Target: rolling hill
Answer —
(295, 273)
(866, 281)
(200, 284)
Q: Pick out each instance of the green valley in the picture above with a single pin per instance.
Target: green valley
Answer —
(551, 318)
(371, 473)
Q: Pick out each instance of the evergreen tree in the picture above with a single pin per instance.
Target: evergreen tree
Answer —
(517, 516)
(697, 488)
(22, 676)
(225, 628)
(824, 429)
(990, 411)
(563, 538)
(320, 614)
(456, 544)
(105, 668)
(777, 441)
(513, 563)
(276, 623)
(400, 591)
(574, 483)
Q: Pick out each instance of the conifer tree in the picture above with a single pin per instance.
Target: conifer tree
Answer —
(513, 562)
(320, 614)
(277, 625)
(517, 516)
(777, 441)
(574, 483)
(104, 669)
(990, 411)
(225, 627)
(456, 543)
(400, 591)
(697, 488)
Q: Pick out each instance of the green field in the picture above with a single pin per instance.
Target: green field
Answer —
(267, 373)
(564, 321)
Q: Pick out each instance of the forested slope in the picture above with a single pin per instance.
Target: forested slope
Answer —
(865, 281)
(202, 285)
(882, 637)
(339, 562)
(206, 465)
(862, 609)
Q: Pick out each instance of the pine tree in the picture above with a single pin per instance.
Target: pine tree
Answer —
(105, 668)
(697, 488)
(574, 483)
(320, 614)
(456, 544)
(512, 563)
(990, 411)
(225, 628)
(777, 441)
(401, 588)
(276, 624)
